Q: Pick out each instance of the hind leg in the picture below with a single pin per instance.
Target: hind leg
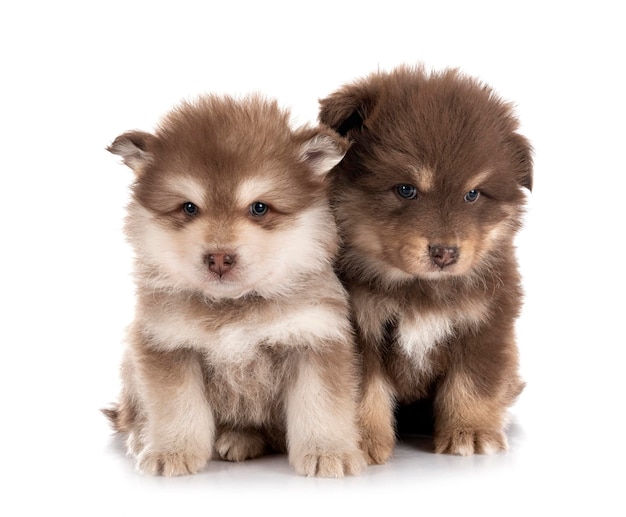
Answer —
(239, 445)
(128, 416)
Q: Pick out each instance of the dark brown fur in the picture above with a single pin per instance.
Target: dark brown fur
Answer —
(426, 331)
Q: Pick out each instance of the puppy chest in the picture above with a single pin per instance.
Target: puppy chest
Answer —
(248, 391)
(418, 335)
(236, 340)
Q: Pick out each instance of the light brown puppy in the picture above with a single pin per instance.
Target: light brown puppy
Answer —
(241, 340)
(428, 200)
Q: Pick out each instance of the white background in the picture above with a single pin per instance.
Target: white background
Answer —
(76, 74)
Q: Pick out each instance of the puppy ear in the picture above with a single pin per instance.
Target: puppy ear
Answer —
(523, 159)
(134, 148)
(347, 109)
(323, 150)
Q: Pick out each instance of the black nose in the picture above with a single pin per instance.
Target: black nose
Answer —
(443, 256)
(220, 263)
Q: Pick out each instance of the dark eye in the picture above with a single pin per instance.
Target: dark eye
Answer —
(406, 191)
(190, 209)
(258, 209)
(472, 195)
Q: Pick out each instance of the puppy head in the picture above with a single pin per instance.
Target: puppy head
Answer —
(228, 200)
(432, 186)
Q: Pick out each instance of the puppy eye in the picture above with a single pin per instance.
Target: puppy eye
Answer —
(258, 209)
(472, 195)
(406, 191)
(190, 209)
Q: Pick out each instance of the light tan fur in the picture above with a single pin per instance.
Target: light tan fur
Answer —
(241, 341)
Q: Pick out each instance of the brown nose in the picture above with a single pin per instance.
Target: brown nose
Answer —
(443, 256)
(220, 263)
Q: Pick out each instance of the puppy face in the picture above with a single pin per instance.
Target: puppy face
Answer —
(229, 200)
(432, 186)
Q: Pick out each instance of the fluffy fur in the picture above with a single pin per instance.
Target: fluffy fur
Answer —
(241, 341)
(428, 200)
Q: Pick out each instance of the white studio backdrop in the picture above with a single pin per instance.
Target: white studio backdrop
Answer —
(76, 74)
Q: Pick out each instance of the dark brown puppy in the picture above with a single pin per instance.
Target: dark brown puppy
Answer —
(428, 200)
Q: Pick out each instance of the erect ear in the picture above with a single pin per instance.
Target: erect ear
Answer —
(135, 149)
(523, 160)
(347, 109)
(322, 149)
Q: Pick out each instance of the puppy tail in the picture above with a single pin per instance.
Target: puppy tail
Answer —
(121, 417)
(113, 414)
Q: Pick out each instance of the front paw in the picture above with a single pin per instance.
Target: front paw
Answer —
(171, 463)
(330, 464)
(465, 442)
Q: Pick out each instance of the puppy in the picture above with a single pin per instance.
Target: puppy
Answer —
(242, 340)
(428, 200)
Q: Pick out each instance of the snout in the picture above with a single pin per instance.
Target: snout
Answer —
(220, 262)
(443, 256)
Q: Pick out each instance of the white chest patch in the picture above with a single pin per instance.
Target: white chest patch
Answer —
(419, 334)
(310, 326)
(239, 342)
